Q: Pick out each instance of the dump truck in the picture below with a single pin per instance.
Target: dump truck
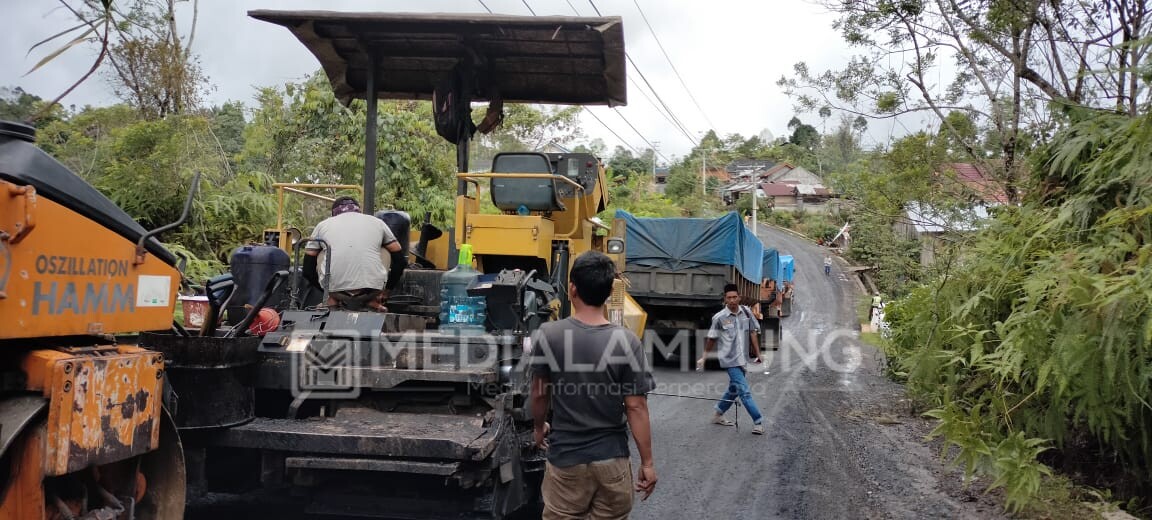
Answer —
(85, 428)
(677, 269)
(380, 414)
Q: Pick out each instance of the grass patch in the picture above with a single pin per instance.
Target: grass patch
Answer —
(1060, 499)
(863, 305)
(873, 338)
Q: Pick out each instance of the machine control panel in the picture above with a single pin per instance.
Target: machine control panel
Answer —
(580, 167)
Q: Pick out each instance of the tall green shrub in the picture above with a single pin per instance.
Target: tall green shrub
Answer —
(1040, 337)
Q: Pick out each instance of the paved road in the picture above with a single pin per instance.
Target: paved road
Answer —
(839, 443)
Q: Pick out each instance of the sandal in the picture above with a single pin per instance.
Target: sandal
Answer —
(723, 421)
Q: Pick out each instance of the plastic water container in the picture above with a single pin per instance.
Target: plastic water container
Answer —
(461, 314)
(252, 267)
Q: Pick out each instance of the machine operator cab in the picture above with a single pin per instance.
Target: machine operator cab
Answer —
(520, 196)
(548, 202)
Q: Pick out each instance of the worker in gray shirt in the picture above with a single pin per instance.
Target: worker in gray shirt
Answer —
(593, 377)
(355, 241)
(731, 331)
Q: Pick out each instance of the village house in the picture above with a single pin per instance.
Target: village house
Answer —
(936, 228)
(785, 185)
(781, 195)
(789, 173)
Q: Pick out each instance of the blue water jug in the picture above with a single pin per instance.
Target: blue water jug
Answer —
(461, 314)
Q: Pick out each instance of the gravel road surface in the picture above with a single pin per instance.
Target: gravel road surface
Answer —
(840, 440)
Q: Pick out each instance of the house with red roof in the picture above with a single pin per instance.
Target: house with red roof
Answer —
(780, 194)
(973, 181)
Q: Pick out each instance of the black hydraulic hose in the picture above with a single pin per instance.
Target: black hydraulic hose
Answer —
(183, 215)
(215, 306)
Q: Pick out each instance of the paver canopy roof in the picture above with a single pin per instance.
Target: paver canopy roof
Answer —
(521, 59)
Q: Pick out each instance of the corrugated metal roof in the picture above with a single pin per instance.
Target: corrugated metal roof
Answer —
(772, 189)
(807, 189)
(523, 59)
(739, 186)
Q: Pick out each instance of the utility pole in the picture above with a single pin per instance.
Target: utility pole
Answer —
(703, 168)
(655, 145)
(755, 205)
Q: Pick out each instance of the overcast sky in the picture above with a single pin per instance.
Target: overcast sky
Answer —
(730, 53)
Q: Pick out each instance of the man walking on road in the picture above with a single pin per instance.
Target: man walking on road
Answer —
(732, 328)
(594, 377)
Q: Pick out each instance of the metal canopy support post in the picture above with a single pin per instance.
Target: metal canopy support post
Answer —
(369, 202)
(462, 162)
(755, 206)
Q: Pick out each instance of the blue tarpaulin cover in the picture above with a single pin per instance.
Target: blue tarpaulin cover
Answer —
(680, 243)
(770, 267)
(787, 267)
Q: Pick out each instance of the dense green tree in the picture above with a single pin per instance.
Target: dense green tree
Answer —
(16, 104)
(228, 129)
(1036, 341)
(146, 168)
(301, 133)
(841, 147)
(625, 164)
(803, 135)
(526, 128)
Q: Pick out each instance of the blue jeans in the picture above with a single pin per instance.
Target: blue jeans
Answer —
(738, 387)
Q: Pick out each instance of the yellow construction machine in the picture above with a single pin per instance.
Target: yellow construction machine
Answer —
(374, 414)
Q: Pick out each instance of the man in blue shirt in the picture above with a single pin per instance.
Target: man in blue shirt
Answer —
(731, 331)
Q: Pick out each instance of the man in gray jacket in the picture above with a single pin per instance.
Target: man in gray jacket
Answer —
(732, 330)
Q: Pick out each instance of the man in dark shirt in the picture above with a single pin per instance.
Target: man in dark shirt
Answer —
(594, 377)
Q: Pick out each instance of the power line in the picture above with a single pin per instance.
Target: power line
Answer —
(682, 83)
(649, 99)
(676, 121)
(617, 110)
(593, 114)
(679, 125)
(650, 145)
(638, 89)
(605, 125)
